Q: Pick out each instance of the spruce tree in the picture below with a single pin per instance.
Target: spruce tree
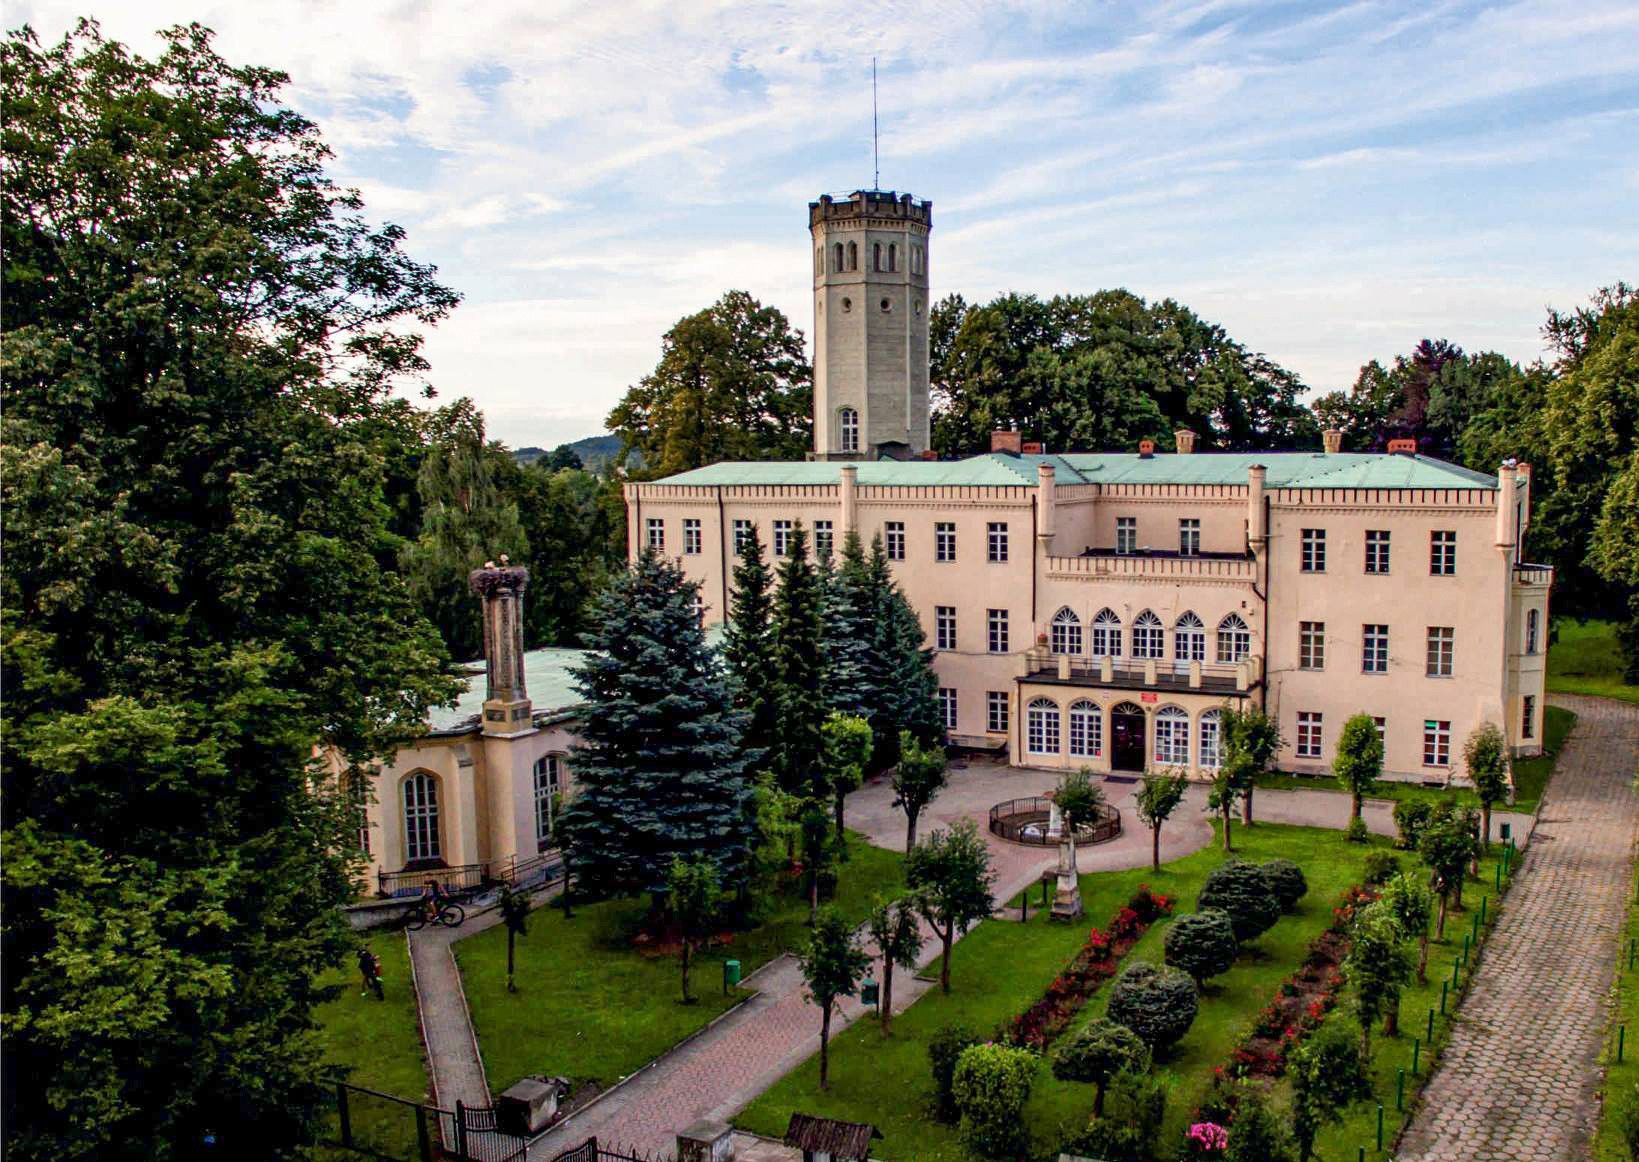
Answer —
(848, 632)
(661, 770)
(798, 664)
(903, 689)
(748, 647)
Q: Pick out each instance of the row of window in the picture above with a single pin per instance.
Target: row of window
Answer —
(1439, 659)
(997, 632)
(423, 840)
(1442, 551)
(1148, 636)
(884, 257)
(1045, 726)
(1311, 736)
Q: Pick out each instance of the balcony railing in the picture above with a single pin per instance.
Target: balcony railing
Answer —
(1525, 574)
(1148, 674)
(1106, 563)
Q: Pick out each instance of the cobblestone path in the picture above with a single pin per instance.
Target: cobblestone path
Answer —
(1519, 1076)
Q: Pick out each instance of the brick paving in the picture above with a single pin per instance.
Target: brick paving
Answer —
(1519, 1076)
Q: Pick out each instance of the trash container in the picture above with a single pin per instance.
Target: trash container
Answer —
(731, 975)
(870, 993)
(1507, 831)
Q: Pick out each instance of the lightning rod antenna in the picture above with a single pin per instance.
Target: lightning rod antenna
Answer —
(876, 156)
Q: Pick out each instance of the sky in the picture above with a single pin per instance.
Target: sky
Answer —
(1330, 182)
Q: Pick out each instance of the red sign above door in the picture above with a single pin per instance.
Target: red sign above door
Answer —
(1147, 697)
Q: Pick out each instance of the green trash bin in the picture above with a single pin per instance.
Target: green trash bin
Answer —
(731, 975)
(870, 993)
(1507, 832)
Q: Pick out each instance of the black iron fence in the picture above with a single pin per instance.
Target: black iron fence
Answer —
(471, 879)
(592, 1150)
(378, 1125)
(1030, 821)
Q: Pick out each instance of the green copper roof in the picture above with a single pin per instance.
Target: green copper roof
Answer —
(1286, 470)
(546, 674)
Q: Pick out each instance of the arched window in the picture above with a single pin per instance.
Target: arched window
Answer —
(848, 429)
(1042, 727)
(1532, 628)
(1188, 640)
(853, 256)
(421, 818)
(893, 257)
(1208, 736)
(1172, 737)
(876, 257)
(1086, 730)
(1149, 638)
(839, 257)
(1106, 635)
(1234, 639)
(548, 794)
(1066, 632)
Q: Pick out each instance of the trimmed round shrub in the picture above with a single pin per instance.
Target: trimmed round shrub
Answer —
(1356, 831)
(944, 1047)
(1286, 881)
(1099, 1052)
(1256, 1134)
(1242, 890)
(1202, 944)
(992, 1084)
(1156, 1002)
(1381, 867)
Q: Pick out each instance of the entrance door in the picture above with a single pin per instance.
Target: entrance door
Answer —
(1127, 738)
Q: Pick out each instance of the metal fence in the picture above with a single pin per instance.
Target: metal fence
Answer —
(466, 880)
(378, 1125)
(592, 1150)
(1029, 821)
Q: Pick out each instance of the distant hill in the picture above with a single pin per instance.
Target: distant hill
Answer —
(594, 452)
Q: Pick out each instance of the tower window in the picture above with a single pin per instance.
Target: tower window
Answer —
(876, 257)
(819, 260)
(893, 257)
(853, 256)
(847, 305)
(848, 428)
(839, 257)
(887, 305)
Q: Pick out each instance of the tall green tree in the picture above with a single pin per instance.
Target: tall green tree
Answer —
(798, 663)
(1446, 845)
(200, 334)
(898, 939)
(950, 874)
(1378, 966)
(575, 525)
(661, 769)
(1159, 794)
(748, 648)
(732, 383)
(1249, 740)
(832, 964)
(694, 893)
(852, 676)
(920, 774)
(1359, 760)
(847, 742)
(1411, 904)
(1485, 754)
(905, 689)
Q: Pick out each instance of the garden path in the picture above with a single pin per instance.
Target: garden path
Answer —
(1519, 1077)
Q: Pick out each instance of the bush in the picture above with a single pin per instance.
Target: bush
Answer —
(1356, 831)
(1381, 867)
(1242, 890)
(1286, 881)
(992, 1084)
(1099, 1052)
(1627, 1121)
(1159, 1004)
(1108, 1140)
(1411, 816)
(1256, 1134)
(944, 1047)
(1132, 1129)
(1202, 944)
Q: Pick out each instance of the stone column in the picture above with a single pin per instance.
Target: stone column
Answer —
(1047, 505)
(848, 494)
(507, 709)
(1256, 531)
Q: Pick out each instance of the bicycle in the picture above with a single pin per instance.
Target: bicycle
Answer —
(449, 916)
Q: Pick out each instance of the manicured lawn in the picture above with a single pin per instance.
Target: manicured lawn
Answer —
(1584, 659)
(1621, 1079)
(1001, 967)
(591, 1007)
(1531, 775)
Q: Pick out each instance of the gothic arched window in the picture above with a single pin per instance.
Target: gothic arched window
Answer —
(848, 429)
(1106, 634)
(1066, 632)
(1234, 639)
(421, 841)
(1149, 638)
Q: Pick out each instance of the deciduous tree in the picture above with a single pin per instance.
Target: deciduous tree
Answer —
(1411, 904)
(1377, 966)
(920, 775)
(832, 964)
(1250, 739)
(694, 893)
(1359, 760)
(848, 743)
(950, 874)
(898, 939)
(1485, 755)
(514, 908)
(1159, 794)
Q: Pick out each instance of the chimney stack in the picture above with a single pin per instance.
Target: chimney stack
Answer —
(1186, 441)
(1333, 438)
(1146, 449)
(507, 709)
(1007, 441)
(1507, 506)
(1046, 503)
(1256, 529)
(1404, 447)
(848, 494)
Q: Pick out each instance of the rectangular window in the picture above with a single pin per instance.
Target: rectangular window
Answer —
(1382, 725)
(944, 627)
(822, 538)
(996, 623)
(691, 536)
(1314, 550)
(893, 537)
(1086, 730)
(358, 793)
(944, 541)
(742, 534)
(657, 534)
(1126, 534)
(1436, 743)
(782, 537)
(1528, 717)
(998, 541)
(996, 711)
(1377, 550)
(1209, 734)
(1041, 727)
(1442, 644)
(1309, 734)
(1374, 652)
(548, 791)
(1189, 537)
(1311, 645)
(1442, 553)
(947, 707)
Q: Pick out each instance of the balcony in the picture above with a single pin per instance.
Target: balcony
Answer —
(1533, 576)
(1234, 679)
(1102, 562)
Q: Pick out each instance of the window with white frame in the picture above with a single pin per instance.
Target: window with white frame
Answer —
(421, 841)
(1234, 639)
(1314, 551)
(822, 538)
(657, 534)
(1311, 645)
(1106, 639)
(996, 630)
(1533, 630)
(1377, 550)
(691, 536)
(782, 538)
(947, 706)
(742, 534)
(1041, 729)
(1442, 552)
(1436, 743)
(1086, 730)
(1382, 725)
(996, 534)
(944, 627)
(893, 539)
(1527, 718)
(548, 794)
(358, 793)
(1149, 638)
(848, 427)
(1374, 649)
(1066, 632)
(1126, 534)
(1310, 725)
(1189, 536)
(944, 541)
(1172, 737)
(1189, 638)
(996, 711)
(1210, 734)
(1442, 646)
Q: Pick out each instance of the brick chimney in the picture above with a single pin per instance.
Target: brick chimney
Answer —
(507, 709)
(1402, 447)
(1031, 447)
(1007, 441)
(1333, 438)
(1185, 440)
(1146, 449)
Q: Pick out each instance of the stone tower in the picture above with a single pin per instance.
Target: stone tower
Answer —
(507, 709)
(870, 325)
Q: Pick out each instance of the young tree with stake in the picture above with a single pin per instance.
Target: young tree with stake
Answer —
(1486, 758)
(515, 915)
(1378, 966)
(1446, 846)
(951, 875)
(832, 964)
(1412, 905)
(1249, 740)
(694, 892)
(1359, 760)
(848, 743)
(898, 939)
(1158, 797)
(919, 776)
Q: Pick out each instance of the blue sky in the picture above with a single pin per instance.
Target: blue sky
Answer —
(1331, 182)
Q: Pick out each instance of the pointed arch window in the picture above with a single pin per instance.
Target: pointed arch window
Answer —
(1066, 635)
(1172, 737)
(848, 429)
(876, 257)
(1106, 635)
(1533, 631)
(838, 251)
(1234, 639)
(1042, 727)
(1210, 736)
(1188, 639)
(893, 257)
(853, 256)
(1086, 730)
(1149, 637)
(421, 840)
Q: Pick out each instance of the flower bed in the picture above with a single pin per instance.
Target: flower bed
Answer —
(1094, 963)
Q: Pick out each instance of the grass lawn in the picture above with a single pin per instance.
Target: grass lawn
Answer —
(1530, 775)
(590, 1007)
(1001, 967)
(1621, 1079)
(1584, 659)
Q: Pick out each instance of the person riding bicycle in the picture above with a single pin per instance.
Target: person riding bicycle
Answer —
(370, 970)
(433, 898)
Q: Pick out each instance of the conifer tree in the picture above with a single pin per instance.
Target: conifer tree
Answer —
(798, 665)
(662, 772)
(748, 642)
(848, 631)
(904, 689)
